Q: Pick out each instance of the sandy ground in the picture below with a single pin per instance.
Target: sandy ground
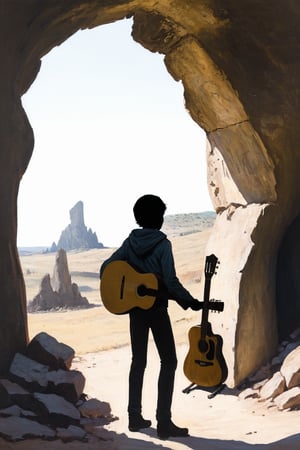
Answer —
(224, 422)
(100, 341)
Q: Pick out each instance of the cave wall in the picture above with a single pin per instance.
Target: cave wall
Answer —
(239, 65)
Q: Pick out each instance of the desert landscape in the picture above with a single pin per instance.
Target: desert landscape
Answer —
(95, 326)
(101, 343)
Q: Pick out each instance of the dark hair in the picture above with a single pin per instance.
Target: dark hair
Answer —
(149, 211)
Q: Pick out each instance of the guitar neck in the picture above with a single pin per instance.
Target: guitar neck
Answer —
(205, 310)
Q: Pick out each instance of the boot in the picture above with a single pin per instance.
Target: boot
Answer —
(166, 429)
(137, 422)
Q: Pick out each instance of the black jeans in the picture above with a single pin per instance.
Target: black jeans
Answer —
(157, 320)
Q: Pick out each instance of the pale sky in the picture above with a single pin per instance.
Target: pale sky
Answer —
(110, 125)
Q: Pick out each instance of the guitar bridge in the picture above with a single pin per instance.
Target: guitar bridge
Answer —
(203, 363)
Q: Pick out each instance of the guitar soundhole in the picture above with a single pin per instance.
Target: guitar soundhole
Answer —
(208, 348)
(211, 353)
(203, 346)
(142, 290)
(122, 287)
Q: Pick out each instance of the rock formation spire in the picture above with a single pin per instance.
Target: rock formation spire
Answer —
(76, 235)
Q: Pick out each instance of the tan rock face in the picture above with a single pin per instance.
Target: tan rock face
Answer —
(240, 69)
(290, 369)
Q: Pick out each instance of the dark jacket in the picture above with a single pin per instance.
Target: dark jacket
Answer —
(150, 251)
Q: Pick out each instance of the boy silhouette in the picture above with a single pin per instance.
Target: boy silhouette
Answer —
(148, 250)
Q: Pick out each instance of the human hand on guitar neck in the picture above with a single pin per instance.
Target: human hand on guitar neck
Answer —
(196, 305)
(213, 305)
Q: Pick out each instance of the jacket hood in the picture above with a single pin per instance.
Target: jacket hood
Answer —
(144, 240)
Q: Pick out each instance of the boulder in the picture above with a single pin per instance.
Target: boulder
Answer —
(69, 384)
(38, 377)
(274, 387)
(18, 428)
(14, 394)
(95, 408)
(47, 350)
(288, 399)
(60, 412)
(290, 368)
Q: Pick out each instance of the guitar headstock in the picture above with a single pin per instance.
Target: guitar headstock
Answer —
(211, 264)
(216, 305)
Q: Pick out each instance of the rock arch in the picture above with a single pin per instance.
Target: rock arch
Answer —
(240, 70)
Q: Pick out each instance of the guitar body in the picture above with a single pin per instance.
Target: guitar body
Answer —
(119, 288)
(204, 364)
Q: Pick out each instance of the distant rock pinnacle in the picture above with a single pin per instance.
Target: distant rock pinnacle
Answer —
(76, 236)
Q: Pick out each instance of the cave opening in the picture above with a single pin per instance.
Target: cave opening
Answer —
(287, 286)
(130, 135)
(105, 139)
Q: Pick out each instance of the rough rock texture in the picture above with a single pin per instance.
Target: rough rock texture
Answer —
(76, 235)
(239, 65)
(36, 376)
(47, 350)
(278, 382)
(35, 399)
(62, 293)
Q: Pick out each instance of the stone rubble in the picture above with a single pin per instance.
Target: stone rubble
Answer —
(278, 382)
(44, 398)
